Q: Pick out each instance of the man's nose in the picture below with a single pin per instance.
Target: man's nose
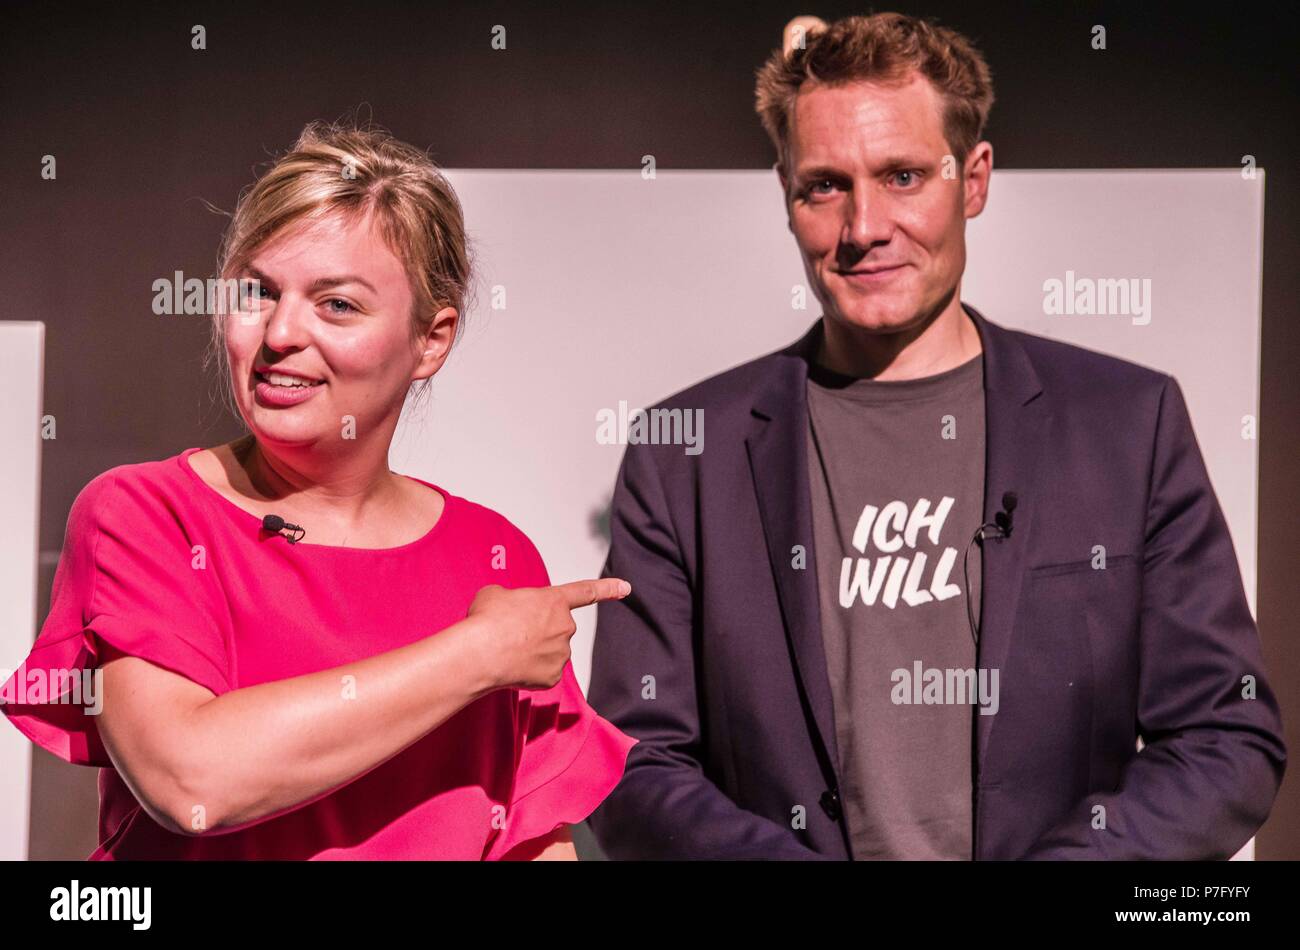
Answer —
(867, 223)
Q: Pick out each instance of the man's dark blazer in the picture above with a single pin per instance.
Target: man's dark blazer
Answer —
(715, 661)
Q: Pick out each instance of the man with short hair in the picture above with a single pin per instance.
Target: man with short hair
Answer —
(873, 620)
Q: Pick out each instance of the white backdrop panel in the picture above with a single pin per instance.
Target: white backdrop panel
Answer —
(608, 287)
(22, 347)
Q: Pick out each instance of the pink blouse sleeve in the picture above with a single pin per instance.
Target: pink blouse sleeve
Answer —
(131, 576)
(571, 758)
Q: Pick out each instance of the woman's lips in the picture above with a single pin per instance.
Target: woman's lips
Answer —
(277, 397)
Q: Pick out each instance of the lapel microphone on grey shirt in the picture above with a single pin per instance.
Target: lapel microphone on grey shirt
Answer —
(1004, 517)
(1000, 528)
(277, 525)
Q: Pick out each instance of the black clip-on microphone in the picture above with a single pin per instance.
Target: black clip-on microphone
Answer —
(1000, 528)
(277, 525)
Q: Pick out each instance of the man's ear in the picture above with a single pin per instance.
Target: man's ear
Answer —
(978, 171)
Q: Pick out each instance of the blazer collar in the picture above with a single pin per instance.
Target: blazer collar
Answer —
(1007, 367)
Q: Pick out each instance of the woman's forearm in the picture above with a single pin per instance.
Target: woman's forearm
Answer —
(265, 749)
(204, 764)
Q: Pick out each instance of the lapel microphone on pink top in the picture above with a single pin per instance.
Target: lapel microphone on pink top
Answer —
(277, 525)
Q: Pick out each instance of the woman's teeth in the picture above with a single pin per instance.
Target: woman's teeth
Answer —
(281, 379)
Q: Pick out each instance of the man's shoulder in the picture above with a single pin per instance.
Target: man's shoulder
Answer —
(1074, 371)
(1068, 369)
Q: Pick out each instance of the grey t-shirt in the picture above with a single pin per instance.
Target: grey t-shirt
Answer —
(897, 475)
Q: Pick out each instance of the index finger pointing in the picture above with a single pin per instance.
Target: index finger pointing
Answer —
(584, 593)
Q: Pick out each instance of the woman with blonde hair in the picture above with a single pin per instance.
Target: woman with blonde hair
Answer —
(305, 655)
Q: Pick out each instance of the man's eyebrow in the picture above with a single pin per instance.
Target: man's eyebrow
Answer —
(905, 161)
(819, 171)
(886, 164)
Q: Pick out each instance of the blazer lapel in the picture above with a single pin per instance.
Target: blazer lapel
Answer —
(1016, 422)
(778, 458)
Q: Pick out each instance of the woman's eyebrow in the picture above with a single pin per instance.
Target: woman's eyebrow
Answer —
(258, 276)
(322, 283)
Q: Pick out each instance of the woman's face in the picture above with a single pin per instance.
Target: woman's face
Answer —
(333, 310)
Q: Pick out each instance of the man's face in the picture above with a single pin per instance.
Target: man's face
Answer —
(882, 232)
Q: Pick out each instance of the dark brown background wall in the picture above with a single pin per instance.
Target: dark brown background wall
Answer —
(143, 127)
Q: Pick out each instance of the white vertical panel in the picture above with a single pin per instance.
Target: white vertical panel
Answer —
(21, 384)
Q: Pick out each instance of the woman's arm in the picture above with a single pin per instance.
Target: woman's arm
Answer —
(200, 763)
(557, 846)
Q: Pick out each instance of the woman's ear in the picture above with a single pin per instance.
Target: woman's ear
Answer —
(437, 342)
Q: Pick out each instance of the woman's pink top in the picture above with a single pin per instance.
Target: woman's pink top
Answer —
(160, 565)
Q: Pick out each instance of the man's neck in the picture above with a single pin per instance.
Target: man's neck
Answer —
(943, 343)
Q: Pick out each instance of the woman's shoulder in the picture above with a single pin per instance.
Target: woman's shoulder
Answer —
(484, 516)
(506, 544)
(129, 528)
(136, 493)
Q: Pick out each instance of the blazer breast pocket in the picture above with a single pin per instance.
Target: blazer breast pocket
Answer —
(1108, 598)
(1112, 562)
(1091, 615)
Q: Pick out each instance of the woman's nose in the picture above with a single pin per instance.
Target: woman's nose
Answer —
(288, 322)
